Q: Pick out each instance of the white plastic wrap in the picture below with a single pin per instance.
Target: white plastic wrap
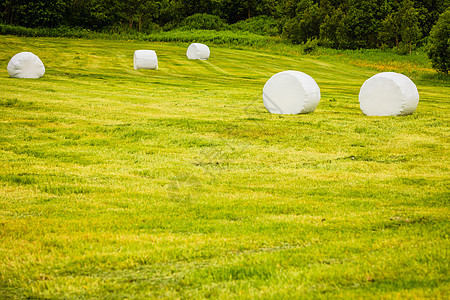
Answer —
(145, 59)
(291, 92)
(388, 94)
(198, 51)
(25, 65)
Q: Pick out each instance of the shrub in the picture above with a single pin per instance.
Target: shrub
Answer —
(204, 21)
(439, 49)
(262, 25)
(62, 31)
(310, 45)
(225, 37)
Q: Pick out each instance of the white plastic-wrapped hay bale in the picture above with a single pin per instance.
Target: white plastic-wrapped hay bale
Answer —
(25, 65)
(388, 94)
(198, 51)
(291, 92)
(145, 59)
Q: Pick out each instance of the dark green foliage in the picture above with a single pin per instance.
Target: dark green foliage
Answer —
(34, 13)
(328, 29)
(204, 21)
(263, 25)
(305, 25)
(92, 14)
(352, 26)
(390, 33)
(341, 24)
(225, 37)
(401, 28)
(237, 10)
(439, 51)
(409, 26)
(429, 11)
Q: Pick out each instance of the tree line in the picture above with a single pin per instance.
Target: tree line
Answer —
(340, 24)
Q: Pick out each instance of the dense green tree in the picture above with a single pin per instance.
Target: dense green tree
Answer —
(138, 11)
(34, 13)
(428, 12)
(301, 20)
(389, 33)
(331, 22)
(359, 25)
(409, 25)
(344, 24)
(237, 10)
(401, 28)
(439, 51)
(305, 25)
(353, 24)
(92, 14)
(7, 11)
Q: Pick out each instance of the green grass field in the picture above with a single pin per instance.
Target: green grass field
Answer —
(177, 183)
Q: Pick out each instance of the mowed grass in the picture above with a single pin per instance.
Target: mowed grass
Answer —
(177, 183)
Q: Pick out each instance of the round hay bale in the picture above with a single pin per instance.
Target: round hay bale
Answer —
(145, 59)
(25, 65)
(198, 51)
(291, 92)
(388, 94)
